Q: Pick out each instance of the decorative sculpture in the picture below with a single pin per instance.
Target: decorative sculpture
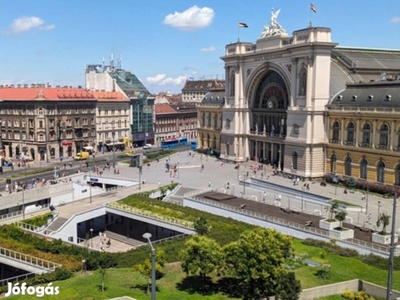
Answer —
(274, 27)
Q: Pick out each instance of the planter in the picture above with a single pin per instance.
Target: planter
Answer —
(383, 239)
(343, 234)
(325, 224)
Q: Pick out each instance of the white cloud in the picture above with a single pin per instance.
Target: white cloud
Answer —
(209, 49)
(395, 20)
(161, 79)
(25, 24)
(191, 19)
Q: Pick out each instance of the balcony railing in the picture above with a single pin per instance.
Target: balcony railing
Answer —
(272, 135)
(334, 141)
(382, 147)
(349, 143)
(364, 145)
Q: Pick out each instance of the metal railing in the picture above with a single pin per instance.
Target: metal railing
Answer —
(29, 259)
(316, 231)
(4, 282)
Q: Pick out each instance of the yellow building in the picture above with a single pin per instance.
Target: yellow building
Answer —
(364, 132)
(209, 121)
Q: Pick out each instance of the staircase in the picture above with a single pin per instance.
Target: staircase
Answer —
(57, 224)
(123, 239)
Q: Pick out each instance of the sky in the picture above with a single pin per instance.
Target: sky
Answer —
(164, 43)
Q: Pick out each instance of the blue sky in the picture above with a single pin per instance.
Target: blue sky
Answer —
(165, 42)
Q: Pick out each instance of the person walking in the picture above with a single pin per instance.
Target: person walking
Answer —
(265, 197)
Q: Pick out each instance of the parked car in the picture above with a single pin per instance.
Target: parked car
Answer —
(147, 146)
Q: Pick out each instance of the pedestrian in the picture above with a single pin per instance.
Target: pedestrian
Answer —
(363, 196)
(279, 198)
(209, 184)
(159, 183)
(369, 218)
(265, 197)
(227, 186)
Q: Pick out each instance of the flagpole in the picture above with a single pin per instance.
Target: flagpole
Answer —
(238, 31)
(310, 25)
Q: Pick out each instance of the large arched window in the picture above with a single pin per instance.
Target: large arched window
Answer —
(232, 84)
(294, 160)
(397, 175)
(335, 131)
(363, 168)
(350, 132)
(333, 163)
(380, 169)
(366, 134)
(384, 135)
(347, 166)
(203, 119)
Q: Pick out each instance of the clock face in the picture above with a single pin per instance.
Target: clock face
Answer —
(270, 104)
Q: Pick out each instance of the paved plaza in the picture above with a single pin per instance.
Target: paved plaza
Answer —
(217, 175)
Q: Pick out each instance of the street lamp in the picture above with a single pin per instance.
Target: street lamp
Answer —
(147, 236)
(336, 181)
(91, 236)
(379, 208)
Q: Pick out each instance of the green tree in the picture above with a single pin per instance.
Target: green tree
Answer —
(145, 268)
(341, 216)
(289, 287)
(351, 183)
(201, 226)
(256, 260)
(383, 220)
(333, 209)
(201, 255)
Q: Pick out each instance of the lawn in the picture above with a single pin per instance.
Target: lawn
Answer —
(124, 282)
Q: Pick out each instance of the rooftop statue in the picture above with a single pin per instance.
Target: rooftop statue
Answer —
(274, 27)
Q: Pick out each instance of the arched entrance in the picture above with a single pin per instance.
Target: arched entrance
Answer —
(268, 119)
(33, 153)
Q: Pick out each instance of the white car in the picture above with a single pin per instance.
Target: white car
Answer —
(147, 146)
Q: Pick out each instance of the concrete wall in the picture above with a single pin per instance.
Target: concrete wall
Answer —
(354, 285)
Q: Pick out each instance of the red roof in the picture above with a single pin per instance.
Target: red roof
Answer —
(109, 96)
(163, 109)
(45, 93)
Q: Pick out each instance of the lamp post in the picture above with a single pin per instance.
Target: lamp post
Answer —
(147, 236)
(335, 180)
(366, 200)
(379, 208)
(90, 187)
(91, 236)
(113, 137)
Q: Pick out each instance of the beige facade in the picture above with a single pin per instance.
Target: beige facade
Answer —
(45, 123)
(209, 121)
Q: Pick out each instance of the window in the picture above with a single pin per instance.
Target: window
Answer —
(215, 120)
(209, 120)
(380, 171)
(336, 130)
(40, 124)
(350, 132)
(227, 124)
(347, 166)
(367, 134)
(40, 112)
(333, 163)
(363, 168)
(384, 133)
(294, 161)
(203, 119)
(41, 137)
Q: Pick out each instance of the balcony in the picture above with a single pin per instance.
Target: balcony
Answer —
(334, 141)
(349, 143)
(364, 145)
(382, 147)
(271, 135)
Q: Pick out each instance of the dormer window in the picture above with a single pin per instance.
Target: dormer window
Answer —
(339, 98)
(370, 97)
(354, 98)
(388, 97)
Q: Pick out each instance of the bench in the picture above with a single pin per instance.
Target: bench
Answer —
(286, 210)
(308, 223)
(295, 211)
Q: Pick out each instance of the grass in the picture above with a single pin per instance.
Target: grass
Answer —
(125, 282)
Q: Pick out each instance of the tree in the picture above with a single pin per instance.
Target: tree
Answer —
(289, 287)
(201, 226)
(333, 209)
(145, 268)
(383, 220)
(256, 260)
(341, 216)
(201, 255)
(351, 183)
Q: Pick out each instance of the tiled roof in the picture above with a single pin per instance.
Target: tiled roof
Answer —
(164, 109)
(45, 93)
(203, 85)
(109, 96)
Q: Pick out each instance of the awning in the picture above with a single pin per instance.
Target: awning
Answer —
(114, 144)
(67, 143)
(90, 148)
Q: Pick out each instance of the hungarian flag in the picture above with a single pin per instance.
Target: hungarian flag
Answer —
(313, 8)
(243, 25)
